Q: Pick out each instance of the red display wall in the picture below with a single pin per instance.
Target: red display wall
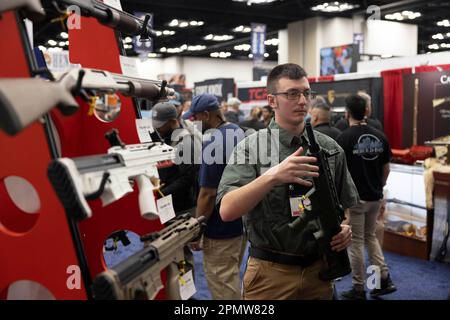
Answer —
(34, 246)
(96, 46)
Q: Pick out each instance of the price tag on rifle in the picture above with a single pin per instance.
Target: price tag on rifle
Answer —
(144, 128)
(165, 209)
(186, 285)
(114, 3)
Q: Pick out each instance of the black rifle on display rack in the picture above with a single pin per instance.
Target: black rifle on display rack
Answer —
(109, 16)
(105, 14)
(19, 96)
(139, 276)
(330, 215)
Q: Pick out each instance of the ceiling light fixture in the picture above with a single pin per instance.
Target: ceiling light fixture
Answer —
(196, 48)
(184, 23)
(250, 2)
(243, 47)
(404, 15)
(242, 29)
(221, 54)
(272, 42)
(334, 6)
(173, 23)
(444, 23)
(223, 37)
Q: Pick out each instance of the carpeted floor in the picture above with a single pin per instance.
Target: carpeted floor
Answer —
(415, 279)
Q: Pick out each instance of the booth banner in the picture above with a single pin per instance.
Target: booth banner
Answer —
(258, 39)
(426, 106)
(222, 88)
(335, 93)
(252, 94)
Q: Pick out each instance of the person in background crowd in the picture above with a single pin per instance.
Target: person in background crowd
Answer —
(254, 120)
(179, 180)
(234, 115)
(342, 124)
(187, 124)
(177, 101)
(267, 115)
(186, 105)
(223, 243)
(368, 154)
(224, 107)
(283, 263)
(320, 119)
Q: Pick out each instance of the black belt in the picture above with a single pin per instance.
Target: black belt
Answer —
(303, 261)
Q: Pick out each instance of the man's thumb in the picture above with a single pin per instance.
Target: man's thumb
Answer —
(298, 152)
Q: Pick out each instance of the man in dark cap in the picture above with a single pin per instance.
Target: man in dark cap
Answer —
(223, 243)
(180, 179)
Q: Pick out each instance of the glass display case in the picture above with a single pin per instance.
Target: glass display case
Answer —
(405, 217)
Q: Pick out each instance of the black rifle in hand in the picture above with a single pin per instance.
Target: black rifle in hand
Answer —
(330, 214)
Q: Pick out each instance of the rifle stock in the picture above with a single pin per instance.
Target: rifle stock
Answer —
(23, 101)
(32, 8)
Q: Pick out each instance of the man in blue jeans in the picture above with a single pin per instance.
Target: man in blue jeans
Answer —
(223, 243)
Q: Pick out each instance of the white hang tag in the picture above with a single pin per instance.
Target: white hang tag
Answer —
(114, 3)
(301, 203)
(186, 285)
(165, 209)
(144, 128)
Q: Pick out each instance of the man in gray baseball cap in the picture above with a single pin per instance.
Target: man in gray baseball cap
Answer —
(164, 118)
(179, 180)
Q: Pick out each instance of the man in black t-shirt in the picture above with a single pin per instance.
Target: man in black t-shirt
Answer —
(342, 124)
(368, 153)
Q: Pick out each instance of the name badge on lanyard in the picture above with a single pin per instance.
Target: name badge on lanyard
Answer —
(301, 203)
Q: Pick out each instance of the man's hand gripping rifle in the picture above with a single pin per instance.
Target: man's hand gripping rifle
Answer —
(330, 214)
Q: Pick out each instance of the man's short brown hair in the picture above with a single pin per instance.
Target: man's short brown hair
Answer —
(289, 70)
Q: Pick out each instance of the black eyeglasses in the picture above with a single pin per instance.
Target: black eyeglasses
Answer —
(295, 94)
